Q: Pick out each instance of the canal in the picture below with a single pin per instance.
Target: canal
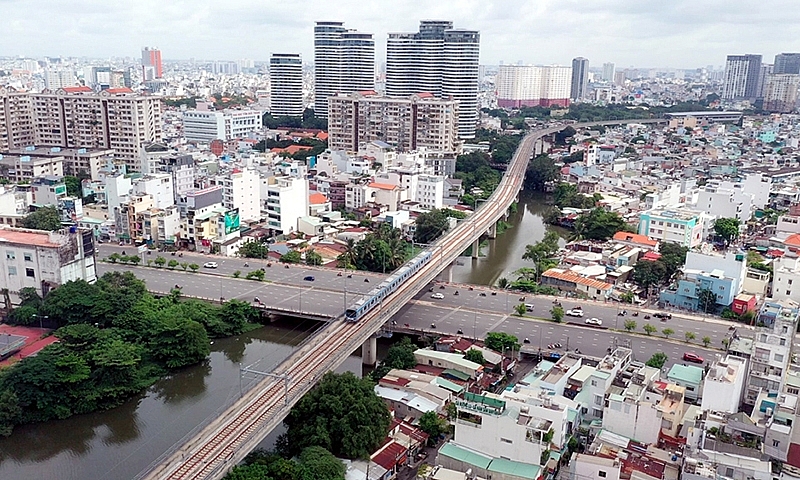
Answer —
(503, 255)
(119, 443)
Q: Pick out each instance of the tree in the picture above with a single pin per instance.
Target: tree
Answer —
(73, 185)
(253, 249)
(502, 283)
(542, 253)
(114, 257)
(541, 171)
(667, 332)
(706, 299)
(627, 297)
(160, 261)
(520, 309)
(474, 355)
(706, 341)
(194, 267)
(9, 411)
(657, 360)
(648, 273)
(649, 329)
(172, 264)
(727, 229)
(630, 325)
(341, 413)
(313, 258)
(599, 224)
(564, 135)
(291, 257)
(499, 341)
(44, 218)
(689, 336)
(432, 424)
(347, 259)
(177, 342)
(400, 356)
(134, 259)
(237, 274)
(317, 463)
(557, 314)
(184, 265)
(430, 226)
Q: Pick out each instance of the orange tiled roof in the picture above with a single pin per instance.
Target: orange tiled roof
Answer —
(577, 279)
(317, 199)
(382, 186)
(120, 90)
(77, 89)
(635, 238)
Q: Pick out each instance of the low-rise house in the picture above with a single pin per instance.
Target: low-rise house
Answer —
(567, 281)
(687, 376)
(449, 361)
(724, 385)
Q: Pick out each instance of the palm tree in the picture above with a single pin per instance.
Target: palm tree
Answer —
(347, 259)
(503, 283)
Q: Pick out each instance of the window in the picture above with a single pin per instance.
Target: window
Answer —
(790, 281)
(601, 474)
(776, 443)
(505, 440)
(30, 273)
(778, 357)
(10, 255)
(783, 341)
(12, 270)
(594, 383)
(28, 257)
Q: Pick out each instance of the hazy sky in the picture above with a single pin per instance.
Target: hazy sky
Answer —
(655, 33)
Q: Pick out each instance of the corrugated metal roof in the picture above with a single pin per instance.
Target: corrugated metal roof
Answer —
(462, 454)
(517, 469)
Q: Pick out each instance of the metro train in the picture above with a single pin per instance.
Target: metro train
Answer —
(392, 283)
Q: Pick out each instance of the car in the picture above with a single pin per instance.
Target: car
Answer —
(662, 315)
(575, 312)
(210, 265)
(554, 346)
(437, 296)
(308, 278)
(693, 357)
(594, 321)
(528, 307)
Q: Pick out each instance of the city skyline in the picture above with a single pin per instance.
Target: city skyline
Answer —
(679, 34)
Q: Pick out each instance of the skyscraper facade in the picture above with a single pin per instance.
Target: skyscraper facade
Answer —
(742, 75)
(439, 60)
(286, 85)
(152, 67)
(530, 86)
(580, 78)
(787, 63)
(344, 62)
(608, 72)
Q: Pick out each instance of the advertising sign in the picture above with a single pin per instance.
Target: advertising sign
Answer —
(231, 221)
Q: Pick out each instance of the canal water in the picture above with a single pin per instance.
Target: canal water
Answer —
(503, 255)
(119, 443)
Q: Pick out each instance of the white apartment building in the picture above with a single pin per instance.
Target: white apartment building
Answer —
(724, 384)
(205, 126)
(24, 168)
(515, 426)
(602, 377)
(772, 349)
(118, 188)
(533, 85)
(59, 78)
(725, 202)
(44, 260)
(241, 190)
(344, 62)
(160, 225)
(158, 186)
(406, 124)
(358, 194)
(48, 190)
(635, 412)
(286, 200)
(286, 85)
(181, 167)
(786, 279)
(681, 226)
(427, 190)
(77, 161)
(780, 92)
(440, 60)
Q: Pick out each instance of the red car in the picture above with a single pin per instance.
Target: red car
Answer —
(693, 357)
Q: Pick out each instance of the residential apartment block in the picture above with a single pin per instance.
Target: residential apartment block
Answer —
(420, 121)
(227, 125)
(683, 227)
(532, 85)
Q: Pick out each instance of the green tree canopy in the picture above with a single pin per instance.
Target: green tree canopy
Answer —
(253, 249)
(727, 229)
(341, 414)
(499, 341)
(476, 356)
(313, 258)
(400, 355)
(599, 224)
(291, 257)
(541, 171)
(657, 360)
(316, 463)
(44, 218)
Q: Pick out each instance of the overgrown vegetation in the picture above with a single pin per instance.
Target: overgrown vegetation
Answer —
(308, 121)
(431, 225)
(115, 340)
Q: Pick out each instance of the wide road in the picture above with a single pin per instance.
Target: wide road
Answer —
(325, 297)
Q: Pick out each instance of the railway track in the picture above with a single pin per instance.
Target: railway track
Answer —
(228, 439)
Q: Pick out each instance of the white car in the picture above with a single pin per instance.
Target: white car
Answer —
(437, 296)
(210, 265)
(594, 321)
(575, 312)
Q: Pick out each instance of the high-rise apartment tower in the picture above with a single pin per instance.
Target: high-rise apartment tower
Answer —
(286, 85)
(344, 62)
(151, 64)
(440, 60)
(580, 78)
(787, 63)
(742, 77)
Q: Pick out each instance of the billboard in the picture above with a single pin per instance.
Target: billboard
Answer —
(231, 221)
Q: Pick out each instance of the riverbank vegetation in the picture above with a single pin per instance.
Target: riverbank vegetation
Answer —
(115, 340)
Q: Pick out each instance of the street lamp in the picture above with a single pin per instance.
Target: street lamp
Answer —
(40, 317)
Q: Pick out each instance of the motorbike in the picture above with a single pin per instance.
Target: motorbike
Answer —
(441, 287)
(406, 325)
(483, 294)
(246, 264)
(339, 274)
(286, 266)
(647, 317)
(456, 292)
(180, 254)
(433, 325)
(430, 289)
(269, 264)
(173, 254)
(257, 299)
(471, 289)
(460, 332)
(731, 328)
(366, 280)
(177, 287)
(635, 314)
(494, 293)
(149, 252)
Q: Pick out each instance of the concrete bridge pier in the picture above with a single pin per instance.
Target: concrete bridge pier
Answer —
(493, 231)
(446, 274)
(369, 351)
(476, 249)
(505, 216)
